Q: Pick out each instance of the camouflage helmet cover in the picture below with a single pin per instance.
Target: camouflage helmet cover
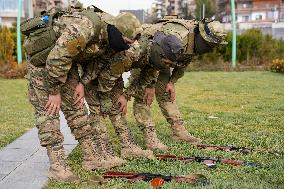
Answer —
(213, 31)
(108, 18)
(76, 4)
(128, 24)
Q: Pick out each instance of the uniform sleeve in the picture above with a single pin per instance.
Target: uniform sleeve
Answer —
(72, 41)
(147, 79)
(178, 72)
(91, 71)
(121, 62)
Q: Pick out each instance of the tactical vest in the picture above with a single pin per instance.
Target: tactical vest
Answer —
(40, 38)
(190, 25)
(97, 23)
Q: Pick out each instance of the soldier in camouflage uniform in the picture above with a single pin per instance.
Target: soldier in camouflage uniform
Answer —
(103, 101)
(54, 53)
(194, 38)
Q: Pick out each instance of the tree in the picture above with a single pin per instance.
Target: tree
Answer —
(7, 45)
(210, 8)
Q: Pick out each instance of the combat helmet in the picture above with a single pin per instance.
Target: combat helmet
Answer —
(76, 4)
(128, 24)
(213, 31)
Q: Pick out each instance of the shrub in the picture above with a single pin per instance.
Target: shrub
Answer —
(254, 51)
(7, 45)
(277, 65)
(13, 70)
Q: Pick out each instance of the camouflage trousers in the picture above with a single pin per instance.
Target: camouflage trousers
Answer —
(49, 126)
(104, 104)
(142, 113)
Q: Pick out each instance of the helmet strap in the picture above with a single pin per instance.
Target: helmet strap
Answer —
(200, 45)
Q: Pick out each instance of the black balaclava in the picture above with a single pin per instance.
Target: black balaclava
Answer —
(200, 45)
(170, 44)
(115, 39)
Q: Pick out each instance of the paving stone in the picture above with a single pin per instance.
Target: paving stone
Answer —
(39, 157)
(125, 77)
(16, 154)
(8, 167)
(70, 140)
(32, 134)
(69, 148)
(2, 176)
(24, 163)
(31, 144)
(27, 176)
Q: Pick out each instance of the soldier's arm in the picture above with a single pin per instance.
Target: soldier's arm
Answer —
(147, 79)
(91, 71)
(72, 41)
(122, 62)
(178, 72)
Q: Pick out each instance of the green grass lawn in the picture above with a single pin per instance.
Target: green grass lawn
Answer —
(250, 111)
(16, 113)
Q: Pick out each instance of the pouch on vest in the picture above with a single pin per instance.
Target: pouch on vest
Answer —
(40, 39)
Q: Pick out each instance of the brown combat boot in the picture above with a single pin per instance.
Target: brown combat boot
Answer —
(134, 151)
(180, 133)
(104, 150)
(59, 170)
(152, 141)
(91, 161)
(108, 154)
(129, 149)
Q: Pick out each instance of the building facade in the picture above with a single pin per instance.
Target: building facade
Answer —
(9, 11)
(267, 15)
(182, 8)
(42, 5)
(252, 10)
(140, 14)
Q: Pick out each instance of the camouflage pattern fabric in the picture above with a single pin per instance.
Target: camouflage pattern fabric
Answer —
(76, 42)
(102, 105)
(139, 52)
(128, 24)
(49, 126)
(101, 138)
(142, 113)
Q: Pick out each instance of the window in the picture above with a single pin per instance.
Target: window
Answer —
(245, 18)
(258, 17)
(8, 5)
(247, 5)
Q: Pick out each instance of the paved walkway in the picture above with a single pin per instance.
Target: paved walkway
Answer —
(24, 163)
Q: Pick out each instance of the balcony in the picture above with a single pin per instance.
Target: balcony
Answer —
(229, 1)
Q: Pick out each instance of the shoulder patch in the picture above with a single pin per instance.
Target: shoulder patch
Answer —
(117, 68)
(75, 46)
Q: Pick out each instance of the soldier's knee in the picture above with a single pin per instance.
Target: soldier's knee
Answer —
(50, 138)
(79, 123)
(49, 130)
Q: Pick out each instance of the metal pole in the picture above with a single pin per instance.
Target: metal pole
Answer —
(203, 12)
(234, 34)
(19, 45)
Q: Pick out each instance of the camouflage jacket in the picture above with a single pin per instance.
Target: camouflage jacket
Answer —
(80, 41)
(139, 56)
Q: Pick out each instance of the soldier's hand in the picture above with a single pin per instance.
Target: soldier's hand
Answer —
(79, 95)
(149, 96)
(122, 102)
(170, 88)
(52, 107)
(80, 104)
